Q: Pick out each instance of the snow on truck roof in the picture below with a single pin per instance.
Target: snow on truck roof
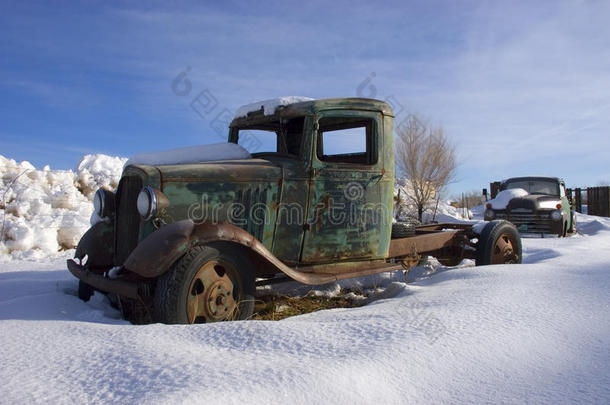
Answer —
(269, 106)
(521, 178)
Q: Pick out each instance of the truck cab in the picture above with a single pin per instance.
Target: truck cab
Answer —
(336, 190)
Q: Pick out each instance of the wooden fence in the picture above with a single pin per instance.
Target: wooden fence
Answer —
(598, 201)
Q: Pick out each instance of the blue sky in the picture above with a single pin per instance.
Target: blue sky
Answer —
(519, 87)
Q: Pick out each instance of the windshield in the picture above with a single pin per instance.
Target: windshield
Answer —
(281, 137)
(547, 187)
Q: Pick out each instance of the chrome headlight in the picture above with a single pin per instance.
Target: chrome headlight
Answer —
(549, 204)
(556, 215)
(147, 203)
(103, 203)
(150, 201)
(489, 214)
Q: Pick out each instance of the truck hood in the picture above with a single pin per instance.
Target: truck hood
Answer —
(533, 202)
(243, 170)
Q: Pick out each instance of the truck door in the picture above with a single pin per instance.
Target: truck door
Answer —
(344, 210)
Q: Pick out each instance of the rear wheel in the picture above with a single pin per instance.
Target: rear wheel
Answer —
(208, 284)
(499, 243)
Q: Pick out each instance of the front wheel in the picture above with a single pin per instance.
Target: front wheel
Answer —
(208, 284)
(85, 291)
(499, 243)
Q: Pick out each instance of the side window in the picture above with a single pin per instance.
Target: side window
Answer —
(282, 137)
(347, 140)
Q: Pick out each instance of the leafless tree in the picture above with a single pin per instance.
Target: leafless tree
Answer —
(469, 199)
(427, 158)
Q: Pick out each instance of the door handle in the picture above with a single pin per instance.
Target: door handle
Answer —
(376, 179)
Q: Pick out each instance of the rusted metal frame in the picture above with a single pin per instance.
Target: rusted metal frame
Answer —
(155, 254)
(206, 233)
(99, 282)
(344, 267)
(425, 243)
(462, 248)
(441, 226)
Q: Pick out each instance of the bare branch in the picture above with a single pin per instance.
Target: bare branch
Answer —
(427, 158)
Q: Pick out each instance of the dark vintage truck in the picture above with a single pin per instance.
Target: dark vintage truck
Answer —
(189, 242)
(543, 209)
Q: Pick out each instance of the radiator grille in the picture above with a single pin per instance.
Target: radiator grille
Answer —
(127, 223)
(529, 222)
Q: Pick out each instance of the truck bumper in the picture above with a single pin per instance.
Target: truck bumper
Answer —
(101, 283)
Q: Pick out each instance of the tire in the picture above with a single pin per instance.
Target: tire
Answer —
(208, 284)
(85, 291)
(499, 243)
(402, 230)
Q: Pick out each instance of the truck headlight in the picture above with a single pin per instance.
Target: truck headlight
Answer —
(489, 214)
(556, 215)
(103, 203)
(150, 201)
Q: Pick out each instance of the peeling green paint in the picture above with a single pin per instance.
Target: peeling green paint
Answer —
(300, 208)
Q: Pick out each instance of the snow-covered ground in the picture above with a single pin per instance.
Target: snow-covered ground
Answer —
(537, 332)
(532, 333)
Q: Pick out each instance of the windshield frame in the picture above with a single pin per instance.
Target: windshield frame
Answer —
(530, 180)
(270, 123)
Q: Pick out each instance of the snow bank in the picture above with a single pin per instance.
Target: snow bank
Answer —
(44, 210)
(191, 154)
(504, 197)
(269, 106)
(443, 212)
(96, 171)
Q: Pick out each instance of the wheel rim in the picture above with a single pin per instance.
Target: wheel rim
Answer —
(504, 251)
(211, 294)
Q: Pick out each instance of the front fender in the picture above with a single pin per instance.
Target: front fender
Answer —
(98, 245)
(155, 254)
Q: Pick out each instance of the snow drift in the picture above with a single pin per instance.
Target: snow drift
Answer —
(44, 210)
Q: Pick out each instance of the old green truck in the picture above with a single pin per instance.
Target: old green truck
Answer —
(188, 240)
(543, 207)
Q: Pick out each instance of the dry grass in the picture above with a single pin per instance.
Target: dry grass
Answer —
(276, 307)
